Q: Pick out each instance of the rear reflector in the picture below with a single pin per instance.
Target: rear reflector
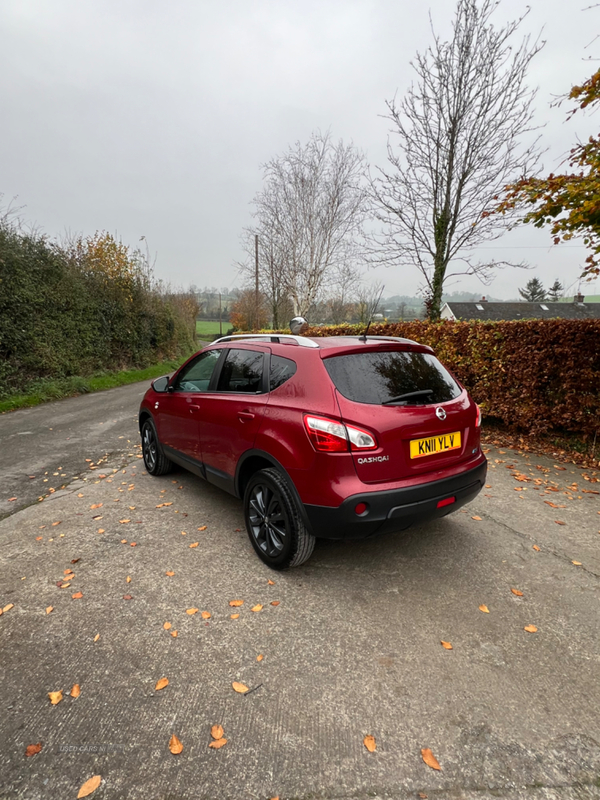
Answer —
(447, 502)
(360, 508)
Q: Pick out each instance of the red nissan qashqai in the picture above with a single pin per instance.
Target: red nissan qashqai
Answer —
(334, 437)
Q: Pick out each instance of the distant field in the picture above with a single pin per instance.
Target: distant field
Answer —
(209, 328)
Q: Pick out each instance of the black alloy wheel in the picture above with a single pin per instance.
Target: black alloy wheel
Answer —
(155, 461)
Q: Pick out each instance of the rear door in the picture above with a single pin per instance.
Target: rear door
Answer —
(425, 428)
(232, 415)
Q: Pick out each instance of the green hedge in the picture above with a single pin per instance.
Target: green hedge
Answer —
(80, 309)
(534, 375)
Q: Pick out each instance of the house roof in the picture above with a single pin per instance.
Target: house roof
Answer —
(495, 312)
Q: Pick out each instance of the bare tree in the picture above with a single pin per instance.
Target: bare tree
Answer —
(309, 218)
(456, 145)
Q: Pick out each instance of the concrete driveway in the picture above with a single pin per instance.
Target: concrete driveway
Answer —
(350, 643)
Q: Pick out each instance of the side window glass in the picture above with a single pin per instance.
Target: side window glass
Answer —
(196, 376)
(282, 370)
(242, 372)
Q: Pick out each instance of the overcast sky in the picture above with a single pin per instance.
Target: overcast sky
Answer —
(151, 118)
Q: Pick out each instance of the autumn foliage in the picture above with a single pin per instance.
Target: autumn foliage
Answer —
(533, 375)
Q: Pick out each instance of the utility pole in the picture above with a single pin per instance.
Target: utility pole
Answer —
(256, 279)
(220, 317)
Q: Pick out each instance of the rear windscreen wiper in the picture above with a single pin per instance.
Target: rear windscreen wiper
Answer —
(407, 396)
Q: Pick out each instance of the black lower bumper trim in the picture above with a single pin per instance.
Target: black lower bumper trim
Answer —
(396, 509)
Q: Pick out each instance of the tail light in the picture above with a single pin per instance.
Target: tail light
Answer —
(330, 436)
(478, 417)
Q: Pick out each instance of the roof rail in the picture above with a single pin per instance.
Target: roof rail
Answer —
(392, 339)
(270, 337)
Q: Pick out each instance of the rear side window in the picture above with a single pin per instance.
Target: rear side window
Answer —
(242, 372)
(282, 370)
(377, 378)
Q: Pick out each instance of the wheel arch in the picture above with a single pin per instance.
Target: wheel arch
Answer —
(143, 417)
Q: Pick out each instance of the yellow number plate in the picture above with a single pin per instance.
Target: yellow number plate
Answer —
(434, 444)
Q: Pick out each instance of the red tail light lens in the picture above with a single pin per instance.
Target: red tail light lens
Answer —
(478, 417)
(330, 436)
(447, 502)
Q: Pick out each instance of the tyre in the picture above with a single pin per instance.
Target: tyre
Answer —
(274, 521)
(155, 461)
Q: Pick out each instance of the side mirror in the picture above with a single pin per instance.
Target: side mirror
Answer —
(161, 384)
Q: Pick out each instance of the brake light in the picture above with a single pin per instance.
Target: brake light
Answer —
(330, 436)
(478, 417)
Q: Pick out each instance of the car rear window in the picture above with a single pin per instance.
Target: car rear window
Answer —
(377, 378)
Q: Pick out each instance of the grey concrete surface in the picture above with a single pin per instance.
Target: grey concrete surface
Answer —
(352, 649)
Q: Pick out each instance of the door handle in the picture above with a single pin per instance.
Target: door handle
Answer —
(245, 415)
(192, 408)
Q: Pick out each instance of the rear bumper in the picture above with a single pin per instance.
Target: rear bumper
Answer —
(395, 509)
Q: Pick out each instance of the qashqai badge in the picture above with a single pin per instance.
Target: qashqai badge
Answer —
(440, 413)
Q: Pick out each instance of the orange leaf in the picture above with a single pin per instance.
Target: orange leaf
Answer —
(485, 609)
(195, 544)
(174, 634)
(191, 611)
(77, 596)
(8, 607)
(167, 626)
(217, 731)
(128, 579)
(577, 563)
(96, 505)
(100, 530)
(54, 524)
(175, 746)
(477, 518)
(275, 602)
(236, 603)
(530, 629)
(124, 521)
(535, 547)
(218, 744)
(55, 697)
(127, 597)
(370, 744)
(90, 786)
(96, 637)
(49, 609)
(446, 645)
(205, 615)
(271, 583)
(429, 758)
(76, 690)
(161, 684)
(234, 616)
(170, 574)
(559, 522)
(259, 657)
(257, 607)
(239, 687)
(517, 592)
(33, 749)
(203, 528)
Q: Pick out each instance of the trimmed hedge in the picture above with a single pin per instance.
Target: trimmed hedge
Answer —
(534, 375)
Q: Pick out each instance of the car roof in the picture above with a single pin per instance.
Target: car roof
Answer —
(327, 345)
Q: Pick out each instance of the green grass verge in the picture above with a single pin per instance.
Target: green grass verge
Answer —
(45, 390)
(209, 328)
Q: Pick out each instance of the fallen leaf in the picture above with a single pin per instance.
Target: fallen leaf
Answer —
(127, 597)
(49, 609)
(429, 758)
(33, 749)
(123, 541)
(128, 579)
(167, 626)
(100, 530)
(275, 602)
(236, 603)
(517, 592)
(191, 611)
(54, 524)
(370, 744)
(75, 560)
(445, 645)
(259, 657)
(77, 596)
(132, 544)
(203, 528)
(168, 504)
(559, 522)
(218, 744)
(577, 563)
(530, 629)
(96, 637)
(90, 786)
(239, 687)
(175, 746)
(11, 499)
(477, 518)
(205, 615)
(65, 585)
(161, 684)
(485, 609)
(124, 521)
(39, 538)
(170, 574)
(55, 697)
(195, 544)
(422, 795)
(217, 731)
(8, 607)
(234, 616)
(535, 547)
(96, 505)
(76, 690)
(257, 607)
(174, 634)
(270, 582)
